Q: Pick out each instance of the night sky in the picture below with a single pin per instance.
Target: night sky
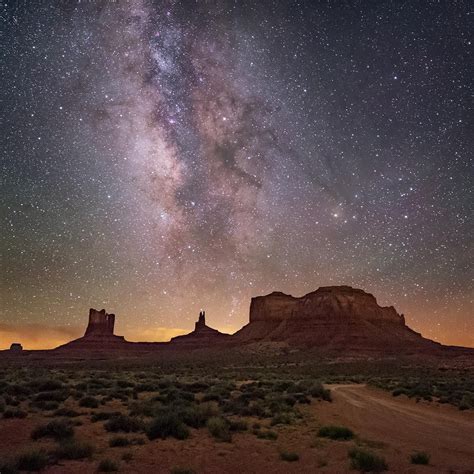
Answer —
(162, 157)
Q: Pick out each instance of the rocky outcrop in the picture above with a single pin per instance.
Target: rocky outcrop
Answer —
(16, 347)
(335, 317)
(202, 336)
(99, 335)
(100, 323)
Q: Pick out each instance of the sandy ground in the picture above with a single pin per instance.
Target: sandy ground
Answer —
(391, 427)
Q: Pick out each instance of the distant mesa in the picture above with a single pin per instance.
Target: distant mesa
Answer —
(16, 347)
(332, 320)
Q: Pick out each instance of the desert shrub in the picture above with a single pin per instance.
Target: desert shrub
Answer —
(167, 424)
(32, 461)
(336, 432)
(16, 389)
(399, 391)
(318, 391)
(420, 458)
(466, 402)
(125, 384)
(123, 423)
(196, 416)
(89, 402)
(14, 413)
(66, 412)
(53, 396)
(266, 434)
(146, 387)
(74, 449)
(107, 465)
(282, 419)
(219, 428)
(56, 429)
(104, 415)
(47, 385)
(238, 425)
(2, 406)
(46, 405)
(119, 441)
(289, 456)
(365, 461)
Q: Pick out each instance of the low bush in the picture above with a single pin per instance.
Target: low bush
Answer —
(420, 458)
(107, 465)
(89, 402)
(167, 424)
(289, 456)
(124, 423)
(365, 461)
(318, 391)
(121, 441)
(32, 461)
(219, 428)
(339, 433)
(14, 413)
(267, 434)
(68, 412)
(56, 429)
(104, 415)
(74, 449)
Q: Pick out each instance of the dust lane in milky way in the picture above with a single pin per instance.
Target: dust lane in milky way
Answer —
(162, 157)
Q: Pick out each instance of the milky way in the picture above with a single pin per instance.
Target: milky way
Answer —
(162, 157)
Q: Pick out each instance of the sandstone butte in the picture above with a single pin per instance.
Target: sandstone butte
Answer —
(333, 320)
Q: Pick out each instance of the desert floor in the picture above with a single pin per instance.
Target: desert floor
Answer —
(388, 426)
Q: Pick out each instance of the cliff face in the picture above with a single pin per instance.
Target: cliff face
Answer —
(337, 317)
(100, 323)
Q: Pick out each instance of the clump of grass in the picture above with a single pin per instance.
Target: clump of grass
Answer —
(339, 433)
(14, 413)
(119, 441)
(289, 456)
(89, 402)
(420, 457)
(32, 461)
(108, 465)
(167, 424)
(70, 413)
(267, 434)
(56, 429)
(282, 419)
(219, 428)
(123, 423)
(365, 461)
(74, 449)
(318, 391)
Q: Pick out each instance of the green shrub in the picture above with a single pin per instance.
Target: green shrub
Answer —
(365, 461)
(119, 441)
(56, 429)
(268, 434)
(318, 391)
(167, 424)
(66, 412)
(32, 461)
(420, 458)
(336, 432)
(123, 423)
(289, 456)
(284, 418)
(196, 416)
(107, 465)
(104, 415)
(219, 428)
(89, 402)
(14, 413)
(74, 449)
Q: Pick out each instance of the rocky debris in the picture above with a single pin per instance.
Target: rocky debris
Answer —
(202, 335)
(334, 317)
(16, 347)
(100, 323)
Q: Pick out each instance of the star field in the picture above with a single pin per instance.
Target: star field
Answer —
(159, 157)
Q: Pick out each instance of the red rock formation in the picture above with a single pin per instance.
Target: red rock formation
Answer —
(202, 336)
(339, 318)
(100, 323)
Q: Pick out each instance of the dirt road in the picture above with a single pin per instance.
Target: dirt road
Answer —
(446, 433)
